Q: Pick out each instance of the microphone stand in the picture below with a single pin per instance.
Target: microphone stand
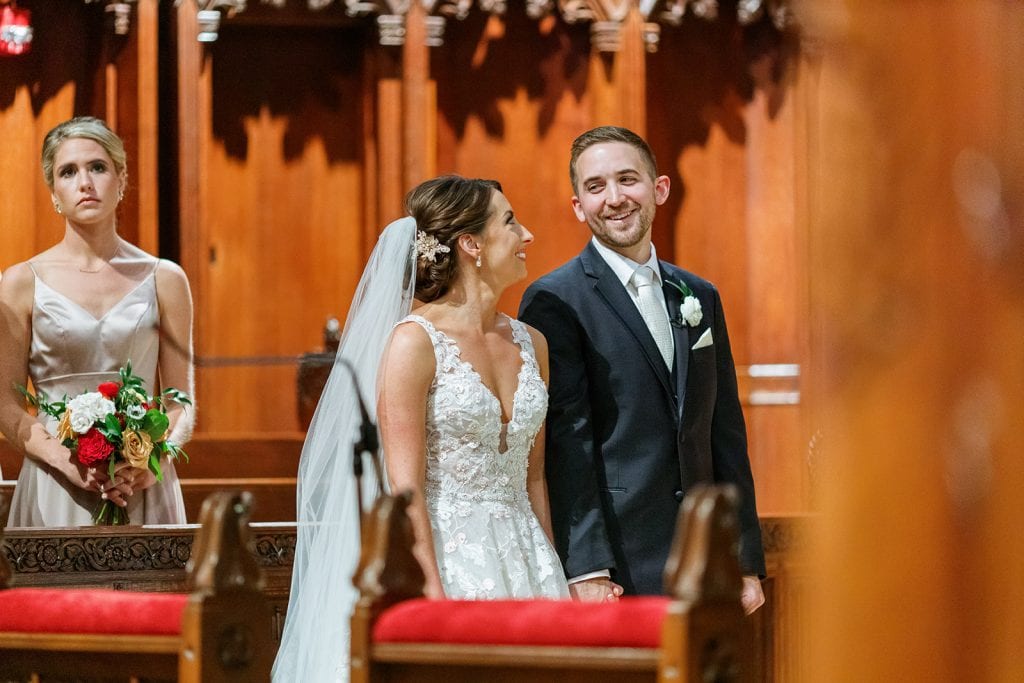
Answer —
(368, 441)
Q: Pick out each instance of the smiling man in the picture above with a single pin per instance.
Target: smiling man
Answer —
(643, 399)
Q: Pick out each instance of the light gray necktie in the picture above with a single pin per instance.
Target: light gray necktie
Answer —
(652, 308)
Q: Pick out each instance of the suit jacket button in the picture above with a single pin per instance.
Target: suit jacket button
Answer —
(679, 496)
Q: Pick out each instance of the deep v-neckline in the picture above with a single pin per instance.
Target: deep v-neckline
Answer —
(479, 378)
(85, 310)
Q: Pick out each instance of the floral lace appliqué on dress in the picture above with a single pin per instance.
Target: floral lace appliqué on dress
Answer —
(488, 541)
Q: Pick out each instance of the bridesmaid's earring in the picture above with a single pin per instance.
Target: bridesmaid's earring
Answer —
(56, 207)
(120, 195)
(478, 263)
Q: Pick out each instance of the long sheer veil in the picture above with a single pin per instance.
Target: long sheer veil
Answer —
(315, 643)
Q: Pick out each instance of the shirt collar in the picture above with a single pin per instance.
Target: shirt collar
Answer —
(624, 267)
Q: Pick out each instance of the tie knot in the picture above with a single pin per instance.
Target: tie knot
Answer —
(643, 276)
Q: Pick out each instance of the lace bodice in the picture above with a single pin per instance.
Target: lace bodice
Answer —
(488, 541)
(465, 432)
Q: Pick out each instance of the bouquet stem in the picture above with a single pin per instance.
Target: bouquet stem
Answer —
(109, 514)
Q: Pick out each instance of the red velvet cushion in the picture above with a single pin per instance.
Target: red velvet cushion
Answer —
(632, 622)
(63, 610)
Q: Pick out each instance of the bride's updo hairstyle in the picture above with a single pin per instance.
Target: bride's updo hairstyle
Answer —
(444, 208)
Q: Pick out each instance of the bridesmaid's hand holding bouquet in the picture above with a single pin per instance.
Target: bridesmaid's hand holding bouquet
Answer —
(117, 425)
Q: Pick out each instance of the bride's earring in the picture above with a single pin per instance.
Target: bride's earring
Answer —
(56, 207)
(478, 262)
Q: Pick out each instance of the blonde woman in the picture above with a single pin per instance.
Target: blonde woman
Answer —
(70, 317)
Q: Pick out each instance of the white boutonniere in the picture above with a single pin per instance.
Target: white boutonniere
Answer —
(689, 310)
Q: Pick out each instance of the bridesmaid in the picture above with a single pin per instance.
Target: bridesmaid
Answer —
(70, 317)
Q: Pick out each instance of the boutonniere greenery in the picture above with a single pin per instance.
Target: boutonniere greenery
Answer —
(689, 310)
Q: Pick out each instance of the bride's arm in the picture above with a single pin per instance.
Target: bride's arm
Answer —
(536, 481)
(24, 431)
(406, 373)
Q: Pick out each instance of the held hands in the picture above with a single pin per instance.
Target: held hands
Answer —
(603, 589)
(598, 589)
(752, 596)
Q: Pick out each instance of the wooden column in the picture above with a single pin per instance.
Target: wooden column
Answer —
(417, 111)
(146, 186)
(387, 142)
(193, 119)
(619, 77)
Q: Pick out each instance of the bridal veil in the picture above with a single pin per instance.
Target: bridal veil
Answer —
(314, 646)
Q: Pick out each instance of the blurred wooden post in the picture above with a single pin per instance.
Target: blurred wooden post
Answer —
(917, 233)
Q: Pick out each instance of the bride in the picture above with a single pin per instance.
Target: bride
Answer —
(461, 397)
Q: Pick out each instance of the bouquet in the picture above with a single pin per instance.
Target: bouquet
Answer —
(117, 423)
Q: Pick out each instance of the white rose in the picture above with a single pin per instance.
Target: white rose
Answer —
(87, 409)
(690, 310)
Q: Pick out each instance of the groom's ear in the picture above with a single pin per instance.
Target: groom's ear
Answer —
(578, 209)
(662, 184)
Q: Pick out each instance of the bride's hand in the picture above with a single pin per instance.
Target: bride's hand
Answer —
(434, 590)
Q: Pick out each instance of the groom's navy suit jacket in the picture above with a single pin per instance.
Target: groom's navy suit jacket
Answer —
(626, 437)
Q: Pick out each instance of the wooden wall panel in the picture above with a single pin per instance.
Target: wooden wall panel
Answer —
(918, 239)
(281, 211)
(511, 99)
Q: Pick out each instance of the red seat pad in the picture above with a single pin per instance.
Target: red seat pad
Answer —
(68, 610)
(631, 622)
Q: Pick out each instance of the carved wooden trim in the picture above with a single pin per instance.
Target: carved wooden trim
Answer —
(129, 549)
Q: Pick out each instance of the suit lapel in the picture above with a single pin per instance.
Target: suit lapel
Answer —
(681, 334)
(614, 295)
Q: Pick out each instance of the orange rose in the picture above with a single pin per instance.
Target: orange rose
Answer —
(136, 447)
(64, 430)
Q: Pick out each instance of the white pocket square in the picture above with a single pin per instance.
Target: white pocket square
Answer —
(705, 340)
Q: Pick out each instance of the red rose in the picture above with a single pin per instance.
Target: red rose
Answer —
(93, 447)
(109, 389)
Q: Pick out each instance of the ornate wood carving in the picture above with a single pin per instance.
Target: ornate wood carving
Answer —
(72, 551)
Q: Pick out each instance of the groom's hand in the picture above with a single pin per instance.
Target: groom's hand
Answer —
(599, 589)
(752, 596)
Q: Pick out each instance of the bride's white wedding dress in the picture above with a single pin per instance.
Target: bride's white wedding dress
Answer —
(488, 541)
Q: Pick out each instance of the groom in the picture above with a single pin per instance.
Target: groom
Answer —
(643, 398)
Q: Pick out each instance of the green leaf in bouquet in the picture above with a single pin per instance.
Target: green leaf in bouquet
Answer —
(155, 424)
(154, 464)
(111, 429)
(177, 396)
(41, 402)
(174, 451)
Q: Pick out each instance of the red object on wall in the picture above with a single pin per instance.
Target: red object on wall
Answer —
(15, 30)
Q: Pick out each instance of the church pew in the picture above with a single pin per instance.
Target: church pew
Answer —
(697, 633)
(219, 631)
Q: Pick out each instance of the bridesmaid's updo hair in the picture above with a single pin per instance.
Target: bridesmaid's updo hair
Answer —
(445, 208)
(90, 128)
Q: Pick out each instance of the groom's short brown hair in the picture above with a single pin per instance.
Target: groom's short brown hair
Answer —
(596, 136)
